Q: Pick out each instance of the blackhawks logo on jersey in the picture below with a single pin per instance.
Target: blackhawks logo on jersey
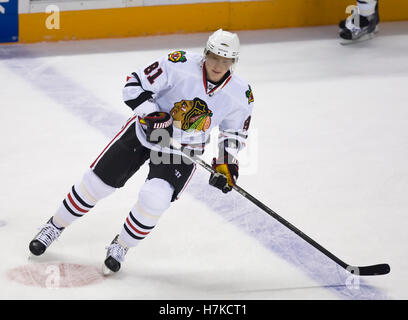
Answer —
(249, 94)
(177, 56)
(191, 115)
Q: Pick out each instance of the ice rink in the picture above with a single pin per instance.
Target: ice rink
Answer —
(328, 151)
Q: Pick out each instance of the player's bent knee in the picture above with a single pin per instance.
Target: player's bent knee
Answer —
(93, 187)
(155, 196)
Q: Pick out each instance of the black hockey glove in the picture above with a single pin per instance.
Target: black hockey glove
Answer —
(159, 127)
(227, 173)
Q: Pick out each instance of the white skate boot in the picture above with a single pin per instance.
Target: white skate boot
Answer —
(48, 233)
(115, 255)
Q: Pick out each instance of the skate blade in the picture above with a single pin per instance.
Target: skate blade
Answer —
(33, 257)
(106, 271)
(363, 38)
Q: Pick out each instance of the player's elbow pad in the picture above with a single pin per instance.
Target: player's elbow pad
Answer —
(129, 95)
(145, 108)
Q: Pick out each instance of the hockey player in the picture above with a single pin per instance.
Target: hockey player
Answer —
(362, 25)
(181, 96)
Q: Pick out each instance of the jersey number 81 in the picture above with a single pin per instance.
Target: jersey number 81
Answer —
(152, 68)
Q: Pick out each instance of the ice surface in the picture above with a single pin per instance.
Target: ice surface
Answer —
(327, 151)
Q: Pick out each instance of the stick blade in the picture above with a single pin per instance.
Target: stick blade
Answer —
(374, 270)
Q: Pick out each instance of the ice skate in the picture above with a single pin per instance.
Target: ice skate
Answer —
(48, 233)
(115, 255)
(356, 29)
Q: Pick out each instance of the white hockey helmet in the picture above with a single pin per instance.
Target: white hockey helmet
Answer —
(224, 44)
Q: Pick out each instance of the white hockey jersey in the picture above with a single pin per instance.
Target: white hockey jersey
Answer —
(177, 84)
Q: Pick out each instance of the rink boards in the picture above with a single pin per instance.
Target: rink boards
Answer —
(75, 20)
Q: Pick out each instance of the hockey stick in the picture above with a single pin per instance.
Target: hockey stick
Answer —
(372, 270)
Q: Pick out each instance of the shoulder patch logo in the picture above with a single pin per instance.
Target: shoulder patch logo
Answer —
(249, 94)
(177, 56)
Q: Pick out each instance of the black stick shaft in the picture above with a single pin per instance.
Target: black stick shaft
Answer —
(290, 226)
(366, 270)
(278, 217)
(372, 270)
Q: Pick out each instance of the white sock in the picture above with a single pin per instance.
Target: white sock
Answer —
(366, 7)
(82, 197)
(154, 198)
